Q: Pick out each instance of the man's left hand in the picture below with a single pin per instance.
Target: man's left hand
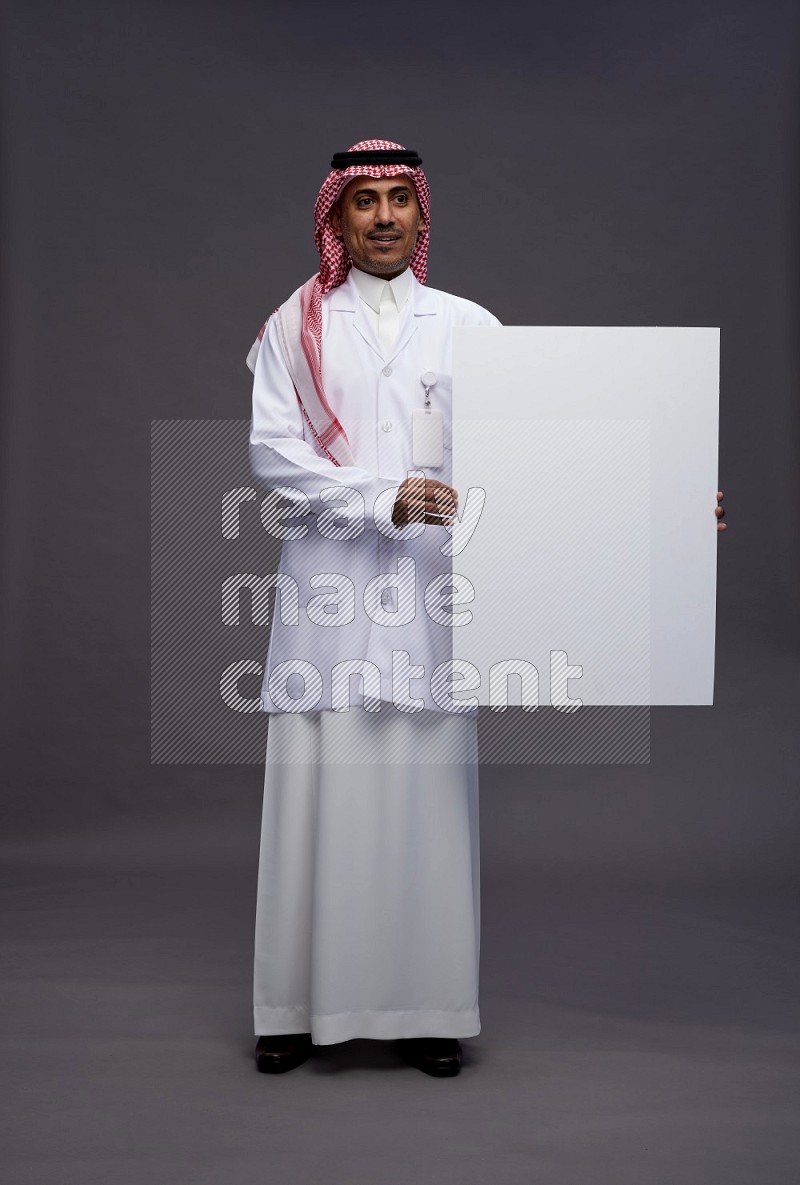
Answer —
(719, 511)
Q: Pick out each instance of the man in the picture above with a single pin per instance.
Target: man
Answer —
(367, 918)
(368, 912)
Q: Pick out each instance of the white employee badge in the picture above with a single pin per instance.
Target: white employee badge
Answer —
(427, 429)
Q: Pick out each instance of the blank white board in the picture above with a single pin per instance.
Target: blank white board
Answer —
(597, 450)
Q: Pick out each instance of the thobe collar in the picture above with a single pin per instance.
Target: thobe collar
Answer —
(344, 298)
(371, 288)
(419, 303)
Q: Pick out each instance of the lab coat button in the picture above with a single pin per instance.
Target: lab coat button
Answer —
(387, 370)
(387, 425)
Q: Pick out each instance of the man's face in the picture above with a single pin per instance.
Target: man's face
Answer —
(378, 221)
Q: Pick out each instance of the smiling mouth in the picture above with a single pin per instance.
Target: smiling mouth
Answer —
(384, 238)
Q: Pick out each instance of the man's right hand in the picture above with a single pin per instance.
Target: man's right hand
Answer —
(424, 500)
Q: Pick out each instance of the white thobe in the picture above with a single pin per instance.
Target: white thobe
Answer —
(368, 910)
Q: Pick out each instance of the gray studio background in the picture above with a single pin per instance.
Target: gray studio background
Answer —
(613, 164)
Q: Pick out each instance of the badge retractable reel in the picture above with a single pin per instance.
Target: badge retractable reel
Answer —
(427, 429)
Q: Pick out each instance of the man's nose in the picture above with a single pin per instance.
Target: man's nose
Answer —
(383, 212)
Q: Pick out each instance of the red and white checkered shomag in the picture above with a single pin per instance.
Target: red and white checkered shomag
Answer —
(300, 318)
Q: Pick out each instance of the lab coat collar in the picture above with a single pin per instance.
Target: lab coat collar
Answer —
(344, 299)
(371, 288)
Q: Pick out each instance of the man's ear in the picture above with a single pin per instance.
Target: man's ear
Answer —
(336, 220)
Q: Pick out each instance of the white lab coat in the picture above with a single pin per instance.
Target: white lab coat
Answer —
(373, 396)
(367, 920)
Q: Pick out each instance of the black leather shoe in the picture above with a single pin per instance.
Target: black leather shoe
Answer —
(281, 1052)
(438, 1056)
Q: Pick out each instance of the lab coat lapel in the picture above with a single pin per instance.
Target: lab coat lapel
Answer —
(362, 324)
(408, 327)
(345, 299)
(420, 304)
